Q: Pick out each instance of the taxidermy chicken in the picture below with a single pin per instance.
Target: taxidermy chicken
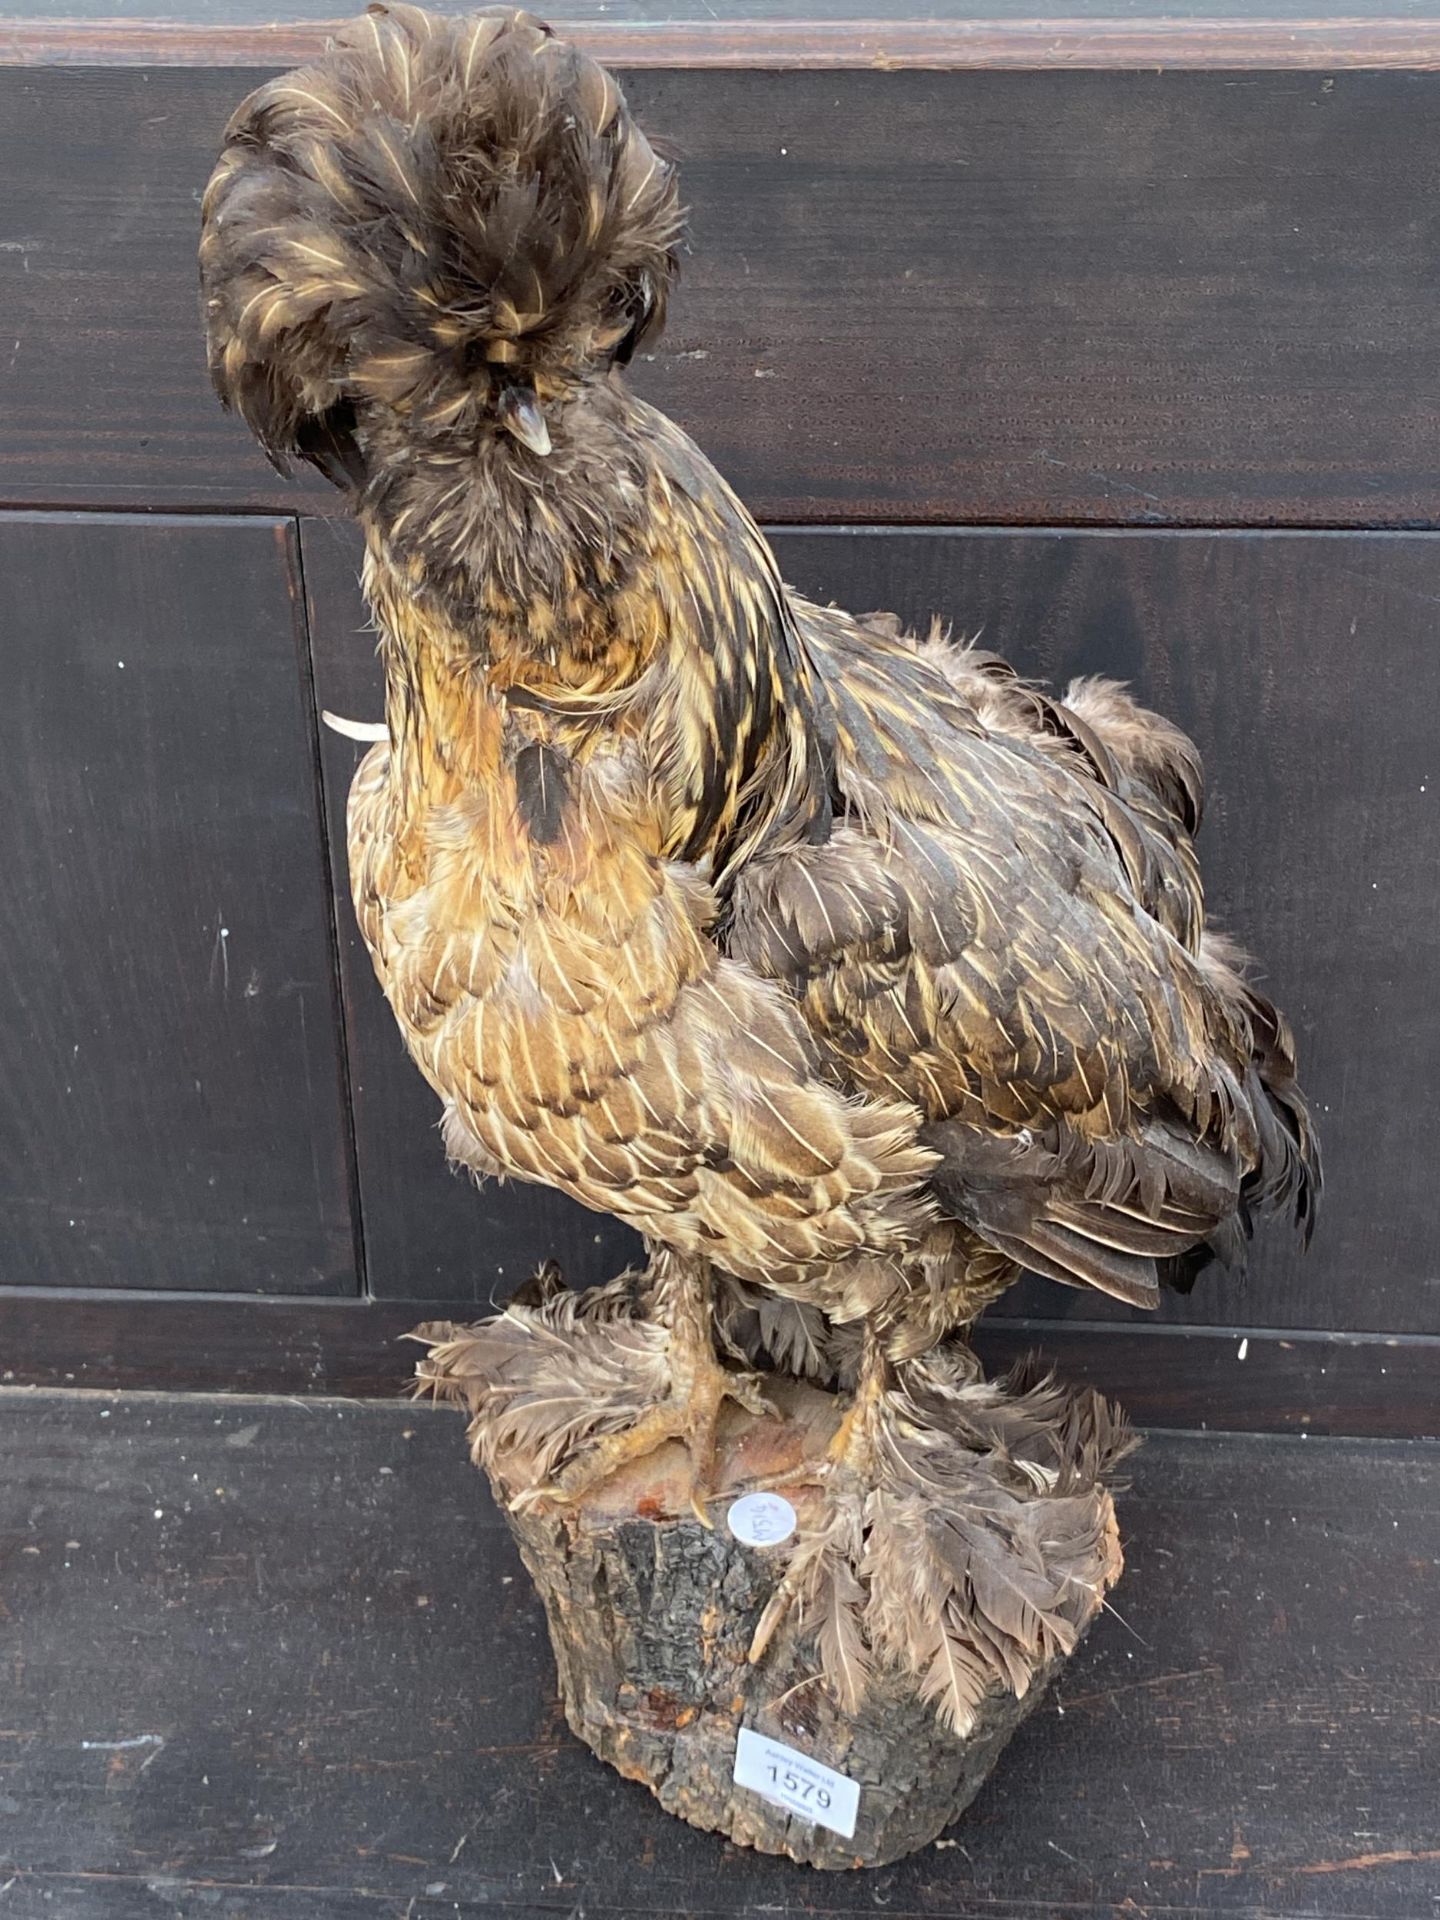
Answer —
(853, 972)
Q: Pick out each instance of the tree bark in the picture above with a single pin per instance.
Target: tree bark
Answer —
(651, 1616)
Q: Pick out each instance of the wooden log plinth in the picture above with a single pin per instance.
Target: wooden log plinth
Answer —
(651, 1616)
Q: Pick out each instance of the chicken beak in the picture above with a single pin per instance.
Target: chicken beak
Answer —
(520, 414)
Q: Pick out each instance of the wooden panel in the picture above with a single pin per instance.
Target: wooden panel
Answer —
(1238, 1379)
(1000, 34)
(599, 18)
(279, 1661)
(170, 1098)
(1307, 671)
(1139, 297)
(428, 1231)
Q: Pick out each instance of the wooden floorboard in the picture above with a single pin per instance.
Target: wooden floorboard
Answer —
(265, 1659)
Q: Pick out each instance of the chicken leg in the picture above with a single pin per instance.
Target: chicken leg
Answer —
(680, 1299)
(849, 1469)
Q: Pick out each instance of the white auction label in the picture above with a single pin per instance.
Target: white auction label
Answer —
(777, 1772)
(761, 1519)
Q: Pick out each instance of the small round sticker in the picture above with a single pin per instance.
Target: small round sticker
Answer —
(761, 1519)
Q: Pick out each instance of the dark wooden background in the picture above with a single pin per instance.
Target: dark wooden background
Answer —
(1129, 372)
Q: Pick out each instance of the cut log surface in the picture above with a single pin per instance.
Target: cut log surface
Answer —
(651, 1616)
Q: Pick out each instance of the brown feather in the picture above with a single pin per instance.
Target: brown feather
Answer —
(845, 961)
(981, 1550)
(547, 1376)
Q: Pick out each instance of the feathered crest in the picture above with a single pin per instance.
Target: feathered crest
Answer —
(432, 203)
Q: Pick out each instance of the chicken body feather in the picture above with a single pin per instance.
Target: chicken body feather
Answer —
(841, 963)
(844, 960)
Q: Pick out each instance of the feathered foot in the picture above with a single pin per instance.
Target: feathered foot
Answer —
(565, 1388)
(700, 1386)
(851, 1450)
(679, 1297)
(968, 1538)
(831, 1555)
